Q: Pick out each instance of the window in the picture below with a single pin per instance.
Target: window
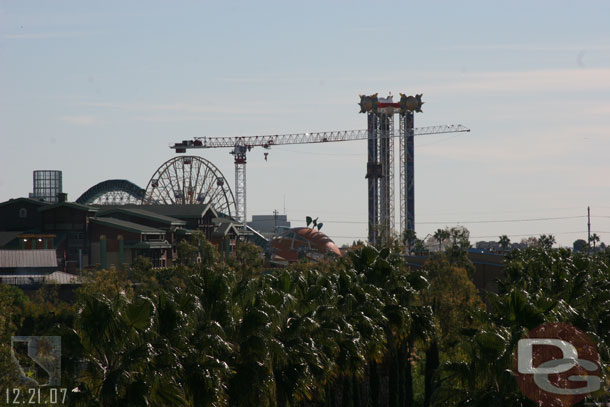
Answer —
(23, 213)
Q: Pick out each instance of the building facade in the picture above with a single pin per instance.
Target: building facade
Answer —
(87, 236)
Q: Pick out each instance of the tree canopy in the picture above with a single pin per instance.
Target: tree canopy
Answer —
(360, 330)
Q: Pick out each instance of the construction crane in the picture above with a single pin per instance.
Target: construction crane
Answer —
(242, 145)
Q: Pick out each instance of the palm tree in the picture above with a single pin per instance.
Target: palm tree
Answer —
(115, 336)
(206, 313)
(403, 322)
(440, 235)
(252, 382)
(546, 241)
(593, 239)
(504, 241)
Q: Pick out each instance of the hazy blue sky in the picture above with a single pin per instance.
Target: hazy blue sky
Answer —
(100, 89)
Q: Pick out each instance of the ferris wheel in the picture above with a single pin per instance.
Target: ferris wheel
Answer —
(190, 180)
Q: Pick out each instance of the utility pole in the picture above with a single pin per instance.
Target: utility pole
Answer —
(275, 212)
(589, 225)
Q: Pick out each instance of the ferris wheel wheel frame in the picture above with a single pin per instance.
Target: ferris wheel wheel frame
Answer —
(190, 180)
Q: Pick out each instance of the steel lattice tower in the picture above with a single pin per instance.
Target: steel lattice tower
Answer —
(386, 158)
(373, 174)
(407, 173)
(380, 165)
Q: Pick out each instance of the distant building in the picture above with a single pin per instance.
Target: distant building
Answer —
(30, 269)
(494, 246)
(269, 225)
(70, 223)
(491, 246)
(20, 214)
(489, 269)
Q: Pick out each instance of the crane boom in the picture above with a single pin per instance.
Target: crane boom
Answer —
(241, 145)
(300, 138)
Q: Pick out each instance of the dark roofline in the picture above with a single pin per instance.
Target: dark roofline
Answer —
(128, 226)
(175, 210)
(227, 228)
(143, 213)
(72, 205)
(224, 225)
(23, 199)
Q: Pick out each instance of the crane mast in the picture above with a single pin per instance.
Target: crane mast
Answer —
(239, 154)
(380, 166)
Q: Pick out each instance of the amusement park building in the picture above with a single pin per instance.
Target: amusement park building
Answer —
(103, 236)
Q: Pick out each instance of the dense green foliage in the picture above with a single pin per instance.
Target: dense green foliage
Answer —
(362, 330)
(541, 285)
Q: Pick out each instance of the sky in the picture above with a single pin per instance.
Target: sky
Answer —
(99, 90)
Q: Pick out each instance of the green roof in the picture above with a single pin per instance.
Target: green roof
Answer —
(128, 226)
(144, 214)
(72, 205)
(188, 211)
(180, 211)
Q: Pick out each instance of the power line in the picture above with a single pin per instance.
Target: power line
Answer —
(506, 220)
(529, 234)
(495, 212)
(463, 221)
(332, 221)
